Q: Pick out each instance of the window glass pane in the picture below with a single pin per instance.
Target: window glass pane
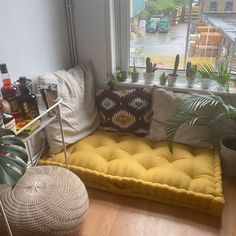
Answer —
(213, 6)
(158, 29)
(229, 6)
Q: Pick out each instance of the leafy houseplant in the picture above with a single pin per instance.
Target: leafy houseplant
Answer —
(208, 73)
(190, 113)
(173, 76)
(111, 82)
(191, 71)
(121, 75)
(135, 74)
(13, 159)
(149, 74)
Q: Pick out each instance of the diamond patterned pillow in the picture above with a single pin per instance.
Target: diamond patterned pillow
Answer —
(126, 111)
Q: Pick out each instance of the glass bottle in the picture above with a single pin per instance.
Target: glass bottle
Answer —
(28, 101)
(9, 93)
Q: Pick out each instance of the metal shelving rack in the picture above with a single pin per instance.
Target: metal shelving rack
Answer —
(44, 121)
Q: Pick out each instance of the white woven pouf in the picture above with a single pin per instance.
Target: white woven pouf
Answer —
(46, 201)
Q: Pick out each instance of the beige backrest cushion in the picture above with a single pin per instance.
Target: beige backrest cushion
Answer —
(164, 105)
(80, 117)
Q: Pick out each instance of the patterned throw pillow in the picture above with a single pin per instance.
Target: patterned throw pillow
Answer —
(126, 111)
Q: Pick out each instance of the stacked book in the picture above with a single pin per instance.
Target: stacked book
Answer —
(30, 129)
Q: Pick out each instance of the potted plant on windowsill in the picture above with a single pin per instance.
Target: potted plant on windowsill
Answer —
(191, 71)
(135, 74)
(13, 159)
(111, 83)
(121, 75)
(149, 74)
(173, 76)
(221, 75)
(163, 79)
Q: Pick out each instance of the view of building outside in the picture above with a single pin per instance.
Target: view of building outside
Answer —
(159, 30)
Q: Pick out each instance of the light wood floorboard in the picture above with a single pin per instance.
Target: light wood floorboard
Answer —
(113, 215)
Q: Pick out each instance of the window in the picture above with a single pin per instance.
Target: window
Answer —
(160, 30)
(229, 6)
(213, 6)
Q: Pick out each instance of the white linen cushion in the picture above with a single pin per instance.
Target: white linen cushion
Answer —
(164, 105)
(80, 118)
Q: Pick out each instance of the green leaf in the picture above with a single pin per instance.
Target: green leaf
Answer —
(13, 157)
(4, 132)
(14, 151)
(9, 140)
(11, 170)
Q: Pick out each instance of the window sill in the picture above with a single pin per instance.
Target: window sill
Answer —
(179, 87)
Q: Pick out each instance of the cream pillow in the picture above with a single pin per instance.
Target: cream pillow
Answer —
(164, 105)
(80, 117)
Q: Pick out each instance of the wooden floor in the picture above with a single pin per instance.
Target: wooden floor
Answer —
(113, 215)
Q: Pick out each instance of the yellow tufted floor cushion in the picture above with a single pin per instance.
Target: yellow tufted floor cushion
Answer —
(135, 166)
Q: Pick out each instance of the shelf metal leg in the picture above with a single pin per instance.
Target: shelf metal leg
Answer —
(29, 152)
(5, 219)
(62, 138)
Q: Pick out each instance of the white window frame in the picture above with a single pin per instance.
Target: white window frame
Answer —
(122, 16)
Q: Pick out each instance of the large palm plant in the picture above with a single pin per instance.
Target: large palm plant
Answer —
(190, 113)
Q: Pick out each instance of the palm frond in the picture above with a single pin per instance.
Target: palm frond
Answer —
(175, 124)
(191, 112)
(221, 76)
(198, 102)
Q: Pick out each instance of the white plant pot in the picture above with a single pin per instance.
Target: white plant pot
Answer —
(135, 76)
(190, 81)
(228, 155)
(172, 79)
(205, 83)
(148, 77)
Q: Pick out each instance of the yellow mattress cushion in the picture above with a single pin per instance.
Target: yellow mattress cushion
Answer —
(135, 166)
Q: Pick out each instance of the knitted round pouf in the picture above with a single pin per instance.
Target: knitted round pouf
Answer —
(46, 201)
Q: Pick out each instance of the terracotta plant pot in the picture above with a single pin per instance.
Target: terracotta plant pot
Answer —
(228, 155)
(172, 79)
(148, 77)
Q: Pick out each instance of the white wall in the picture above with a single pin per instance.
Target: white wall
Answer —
(90, 25)
(33, 37)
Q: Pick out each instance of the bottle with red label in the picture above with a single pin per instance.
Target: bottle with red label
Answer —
(28, 101)
(9, 93)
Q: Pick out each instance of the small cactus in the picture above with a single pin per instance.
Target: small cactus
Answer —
(176, 65)
(191, 70)
(149, 66)
(163, 78)
(134, 68)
